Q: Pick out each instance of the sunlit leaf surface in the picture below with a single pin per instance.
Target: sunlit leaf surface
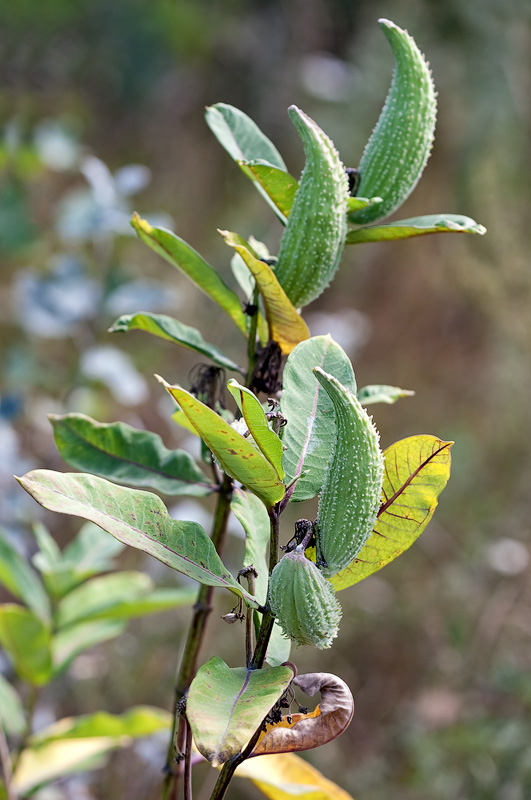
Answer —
(284, 776)
(416, 471)
(254, 415)
(244, 141)
(27, 640)
(19, 579)
(381, 393)
(286, 325)
(237, 456)
(187, 260)
(12, 717)
(279, 186)
(76, 743)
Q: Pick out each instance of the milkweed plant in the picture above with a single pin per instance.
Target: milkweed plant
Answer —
(301, 431)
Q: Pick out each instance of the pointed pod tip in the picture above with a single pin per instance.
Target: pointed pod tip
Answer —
(387, 23)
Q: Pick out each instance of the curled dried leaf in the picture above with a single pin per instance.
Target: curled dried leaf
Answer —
(328, 721)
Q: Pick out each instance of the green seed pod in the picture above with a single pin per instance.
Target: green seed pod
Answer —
(314, 238)
(304, 601)
(352, 488)
(400, 145)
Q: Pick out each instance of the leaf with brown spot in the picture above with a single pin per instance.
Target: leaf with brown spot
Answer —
(237, 456)
(136, 518)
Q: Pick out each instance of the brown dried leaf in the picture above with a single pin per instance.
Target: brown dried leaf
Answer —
(306, 731)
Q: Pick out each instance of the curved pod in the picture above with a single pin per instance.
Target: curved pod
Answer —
(314, 238)
(352, 488)
(399, 147)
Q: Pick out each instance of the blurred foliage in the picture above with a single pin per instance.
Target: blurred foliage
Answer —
(436, 648)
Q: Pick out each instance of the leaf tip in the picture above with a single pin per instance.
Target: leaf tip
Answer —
(161, 380)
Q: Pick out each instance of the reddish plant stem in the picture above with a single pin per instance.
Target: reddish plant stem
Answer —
(187, 670)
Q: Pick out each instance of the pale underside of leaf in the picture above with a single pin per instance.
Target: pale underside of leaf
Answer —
(225, 706)
(310, 431)
(170, 329)
(138, 519)
(416, 226)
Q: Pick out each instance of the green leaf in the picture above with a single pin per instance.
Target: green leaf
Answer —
(138, 519)
(27, 640)
(95, 597)
(158, 600)
(12, 717)
(19, 579)
(240, 136)
(256, 420)
(41, 765)
(416, 226)
(90, 552)
(173, 331)
(279, 186)
(244, 141)
(225, 706)
(180, 255)
(253, 516)
(77, 743)
(380, 393)
(355, 203)
(279, 646)
(286, 325)
(237, 456)
(118, 596)
(286, 775)
(138, 721)
(310, 432)
(121, 453)
(70, 642)
(416, 471)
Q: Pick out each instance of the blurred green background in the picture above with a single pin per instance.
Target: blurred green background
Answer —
(101, 105)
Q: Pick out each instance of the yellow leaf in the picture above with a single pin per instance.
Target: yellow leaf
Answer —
(286, 325)
(281, 777)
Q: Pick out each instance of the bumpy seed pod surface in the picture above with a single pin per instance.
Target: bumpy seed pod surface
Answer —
(314, 238)
(304, 601)
(352, 488)
(400, 145)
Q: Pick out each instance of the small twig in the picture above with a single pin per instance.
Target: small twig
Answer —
(229, 768)
(188, 763)
(188, 667)
(251, 349)
(251, 574)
